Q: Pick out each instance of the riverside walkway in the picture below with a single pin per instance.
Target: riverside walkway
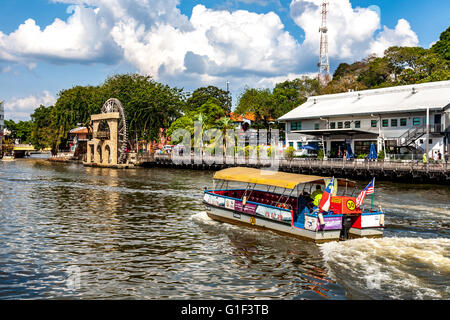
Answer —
(404, 171)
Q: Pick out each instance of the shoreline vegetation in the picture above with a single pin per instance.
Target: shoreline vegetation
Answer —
(150, 105)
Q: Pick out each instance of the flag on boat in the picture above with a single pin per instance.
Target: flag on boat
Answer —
(326, 196)
(367, 190)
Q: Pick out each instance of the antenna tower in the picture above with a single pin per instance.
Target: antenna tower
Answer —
(324, 65)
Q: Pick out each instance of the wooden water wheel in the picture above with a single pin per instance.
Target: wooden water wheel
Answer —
(114, 105)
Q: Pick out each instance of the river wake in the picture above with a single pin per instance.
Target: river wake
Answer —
(391, 268)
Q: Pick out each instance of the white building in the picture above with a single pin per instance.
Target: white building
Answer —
(394, 118)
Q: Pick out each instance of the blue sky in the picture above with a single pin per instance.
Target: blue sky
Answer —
(193, 43)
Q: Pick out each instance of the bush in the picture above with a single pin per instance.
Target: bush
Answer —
(289, 153)
(381, 155)
(320, 154)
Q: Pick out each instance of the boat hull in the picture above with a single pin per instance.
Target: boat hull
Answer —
(255, 221)
(355, 233)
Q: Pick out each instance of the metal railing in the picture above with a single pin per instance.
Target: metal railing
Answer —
(353, 164)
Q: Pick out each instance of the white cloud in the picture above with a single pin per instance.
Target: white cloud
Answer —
(210, 47)
(351, 31)
(21, 108)
(84, 37)
(402, 35)
(219, 42)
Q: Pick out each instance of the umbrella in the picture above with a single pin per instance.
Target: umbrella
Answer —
(373, 152)
(349, 152)
(308, 147)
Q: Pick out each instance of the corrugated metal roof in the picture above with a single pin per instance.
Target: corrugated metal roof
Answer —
(408, 98)
(80, 130)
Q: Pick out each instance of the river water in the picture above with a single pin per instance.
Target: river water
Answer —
(68, 231)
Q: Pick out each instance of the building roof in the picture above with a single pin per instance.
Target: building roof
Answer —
(240, 118)
(410, 98)
(80, 130)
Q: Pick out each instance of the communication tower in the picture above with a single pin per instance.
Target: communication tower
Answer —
(324, 65)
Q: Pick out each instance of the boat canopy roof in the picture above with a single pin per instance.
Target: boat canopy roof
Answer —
(273, 178)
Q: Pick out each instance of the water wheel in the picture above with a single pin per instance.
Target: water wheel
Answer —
(114, 105)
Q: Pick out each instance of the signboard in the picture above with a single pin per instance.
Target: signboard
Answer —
(229, 204)
(332, 223)
(311, 223)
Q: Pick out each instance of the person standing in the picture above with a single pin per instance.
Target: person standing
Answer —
(424, 158)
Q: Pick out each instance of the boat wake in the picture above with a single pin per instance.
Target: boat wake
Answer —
(202, 218)
(390, 268)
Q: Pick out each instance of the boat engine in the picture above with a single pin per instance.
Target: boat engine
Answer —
(347, 223)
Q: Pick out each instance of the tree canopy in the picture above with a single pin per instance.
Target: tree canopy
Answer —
(20, 130)
(211, 93)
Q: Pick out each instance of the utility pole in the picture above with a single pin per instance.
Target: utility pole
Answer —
(427, 144)
(228, 97)
(324, 65)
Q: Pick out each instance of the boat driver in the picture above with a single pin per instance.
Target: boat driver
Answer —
(316, 196)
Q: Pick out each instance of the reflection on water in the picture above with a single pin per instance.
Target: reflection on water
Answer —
(142, 233)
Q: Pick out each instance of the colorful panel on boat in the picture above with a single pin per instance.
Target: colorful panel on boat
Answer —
(370, 221)
(311, 223)
(344, 205)
(273, 213)
(332, 223)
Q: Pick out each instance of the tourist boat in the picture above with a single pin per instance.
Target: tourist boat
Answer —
(279, 201)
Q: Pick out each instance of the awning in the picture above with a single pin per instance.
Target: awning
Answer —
(273, 178)
(334, 132)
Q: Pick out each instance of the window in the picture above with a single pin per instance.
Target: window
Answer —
(296, 125)
(316, 126)
(421, 141)
(430, 141)
(339, 125)
(403, 122)
(291, 144)
(347, 124)
(299, 145)
(394, 122)
(416, 121)
(357, 124)
(333, 125)
(373, 123)
(385, 123)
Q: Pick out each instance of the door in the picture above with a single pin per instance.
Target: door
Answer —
(437, 122)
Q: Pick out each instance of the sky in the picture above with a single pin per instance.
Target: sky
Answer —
(50, 45)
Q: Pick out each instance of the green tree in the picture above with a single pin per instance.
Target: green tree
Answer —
(442, 47)
(259, 102)
(74, 107)
(148, 105)
(291, 93)
(21, 130)
(44, 132)
(377, 73)
(211, 93)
